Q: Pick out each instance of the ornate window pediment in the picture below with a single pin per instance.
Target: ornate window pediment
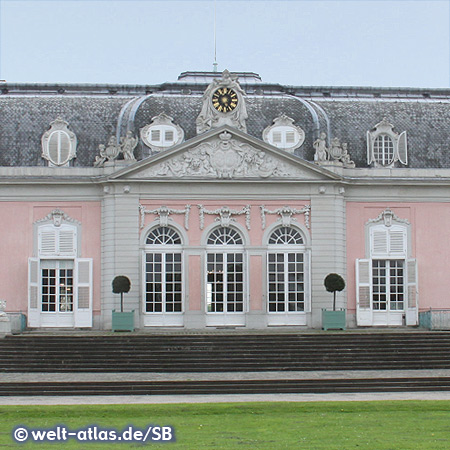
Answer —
(385, 147)
(59, 144)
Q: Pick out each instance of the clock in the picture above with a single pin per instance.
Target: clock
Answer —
(224, 100)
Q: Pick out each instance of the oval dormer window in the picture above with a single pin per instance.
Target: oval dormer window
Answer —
(59, 144)
(284, 134)
(59, 148)
(161, 133)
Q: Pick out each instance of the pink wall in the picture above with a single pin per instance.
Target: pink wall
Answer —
(430, 223)
(16, 245)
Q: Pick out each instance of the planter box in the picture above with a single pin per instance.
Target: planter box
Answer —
(122, 321)
(333, 320)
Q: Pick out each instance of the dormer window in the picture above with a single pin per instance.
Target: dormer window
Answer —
(162, 133)
(385, 147)
(59, 144)
(284, 134)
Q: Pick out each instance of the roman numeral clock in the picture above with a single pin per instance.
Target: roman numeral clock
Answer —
(223, 103)
(224, 100)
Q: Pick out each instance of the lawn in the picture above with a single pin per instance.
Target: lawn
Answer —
(396, 425)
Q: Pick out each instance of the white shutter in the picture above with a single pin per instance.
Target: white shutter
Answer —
(67, 241)
(369, 149)
(83, 289)
(379, 241)
(307, 275)
(402, 148)
(397, 241)
(364, 292)
(412, 306)
(47, 241)
(33, 292)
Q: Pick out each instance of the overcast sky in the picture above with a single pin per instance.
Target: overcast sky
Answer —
(297, 42)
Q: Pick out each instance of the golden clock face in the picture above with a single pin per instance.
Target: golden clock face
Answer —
(224, 100)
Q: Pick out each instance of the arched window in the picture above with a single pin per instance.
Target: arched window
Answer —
(287, 268)
(163, 271)
(225, 271)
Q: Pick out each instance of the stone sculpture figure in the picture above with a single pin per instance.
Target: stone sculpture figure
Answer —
(128, 144)
(320, 146)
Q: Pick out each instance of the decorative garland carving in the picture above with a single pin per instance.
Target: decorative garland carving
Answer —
(225, 215)
(388, 216)
(57, 216)
(163, 213)
(286, 213)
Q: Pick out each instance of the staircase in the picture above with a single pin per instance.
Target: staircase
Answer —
(225, 353)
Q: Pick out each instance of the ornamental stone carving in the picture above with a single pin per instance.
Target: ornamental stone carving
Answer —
(223, 158)
(223, 104)
(111, 151)
(387, 217)
(225, 215)
(163, 214)
(57, 216)
(286, 214)
(335, 155)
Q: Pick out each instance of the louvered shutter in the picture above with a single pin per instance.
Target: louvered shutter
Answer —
(402, 148)
(59, 148)
(397, 241)
(83, 289)
(379, 241)
(307, 272)
(47, 241)
(412, 306)
(67, 241)
(363, 292)
(33, 292)
(369, 149)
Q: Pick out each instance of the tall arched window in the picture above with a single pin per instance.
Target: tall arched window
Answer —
(225, 271)
(287, 271)
(163, 271)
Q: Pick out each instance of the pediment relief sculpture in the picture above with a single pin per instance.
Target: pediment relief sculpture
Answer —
(223, 104)
(223, 158)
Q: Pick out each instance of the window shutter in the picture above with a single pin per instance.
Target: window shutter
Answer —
(412, 303)
(33, 292)
(67, 242)
(276, 136)
(47, 242)
(59, 148)
(83, 308)
(397, 242)
(290, 137)
(363, 292)
(369, 149)
(402, 148)
(307, 269)
(379, 242)
(156, 135)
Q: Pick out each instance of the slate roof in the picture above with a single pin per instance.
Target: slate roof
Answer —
(95, 112)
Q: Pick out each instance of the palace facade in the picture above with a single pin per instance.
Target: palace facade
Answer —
(225, 200)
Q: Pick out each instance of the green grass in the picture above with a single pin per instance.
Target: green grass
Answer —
(397, 425)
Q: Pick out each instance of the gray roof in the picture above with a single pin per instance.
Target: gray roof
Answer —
(95, 112)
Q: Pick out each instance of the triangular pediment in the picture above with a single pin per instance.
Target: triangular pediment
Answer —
(224, 153)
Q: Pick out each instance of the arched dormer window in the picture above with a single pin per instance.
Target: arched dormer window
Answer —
(385, 147)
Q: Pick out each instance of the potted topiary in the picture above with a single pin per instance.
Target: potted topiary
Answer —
(122, 321)
(333, 319)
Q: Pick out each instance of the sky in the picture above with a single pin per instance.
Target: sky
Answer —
(397, 43)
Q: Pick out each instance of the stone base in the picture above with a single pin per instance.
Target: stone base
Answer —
(5, 326)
